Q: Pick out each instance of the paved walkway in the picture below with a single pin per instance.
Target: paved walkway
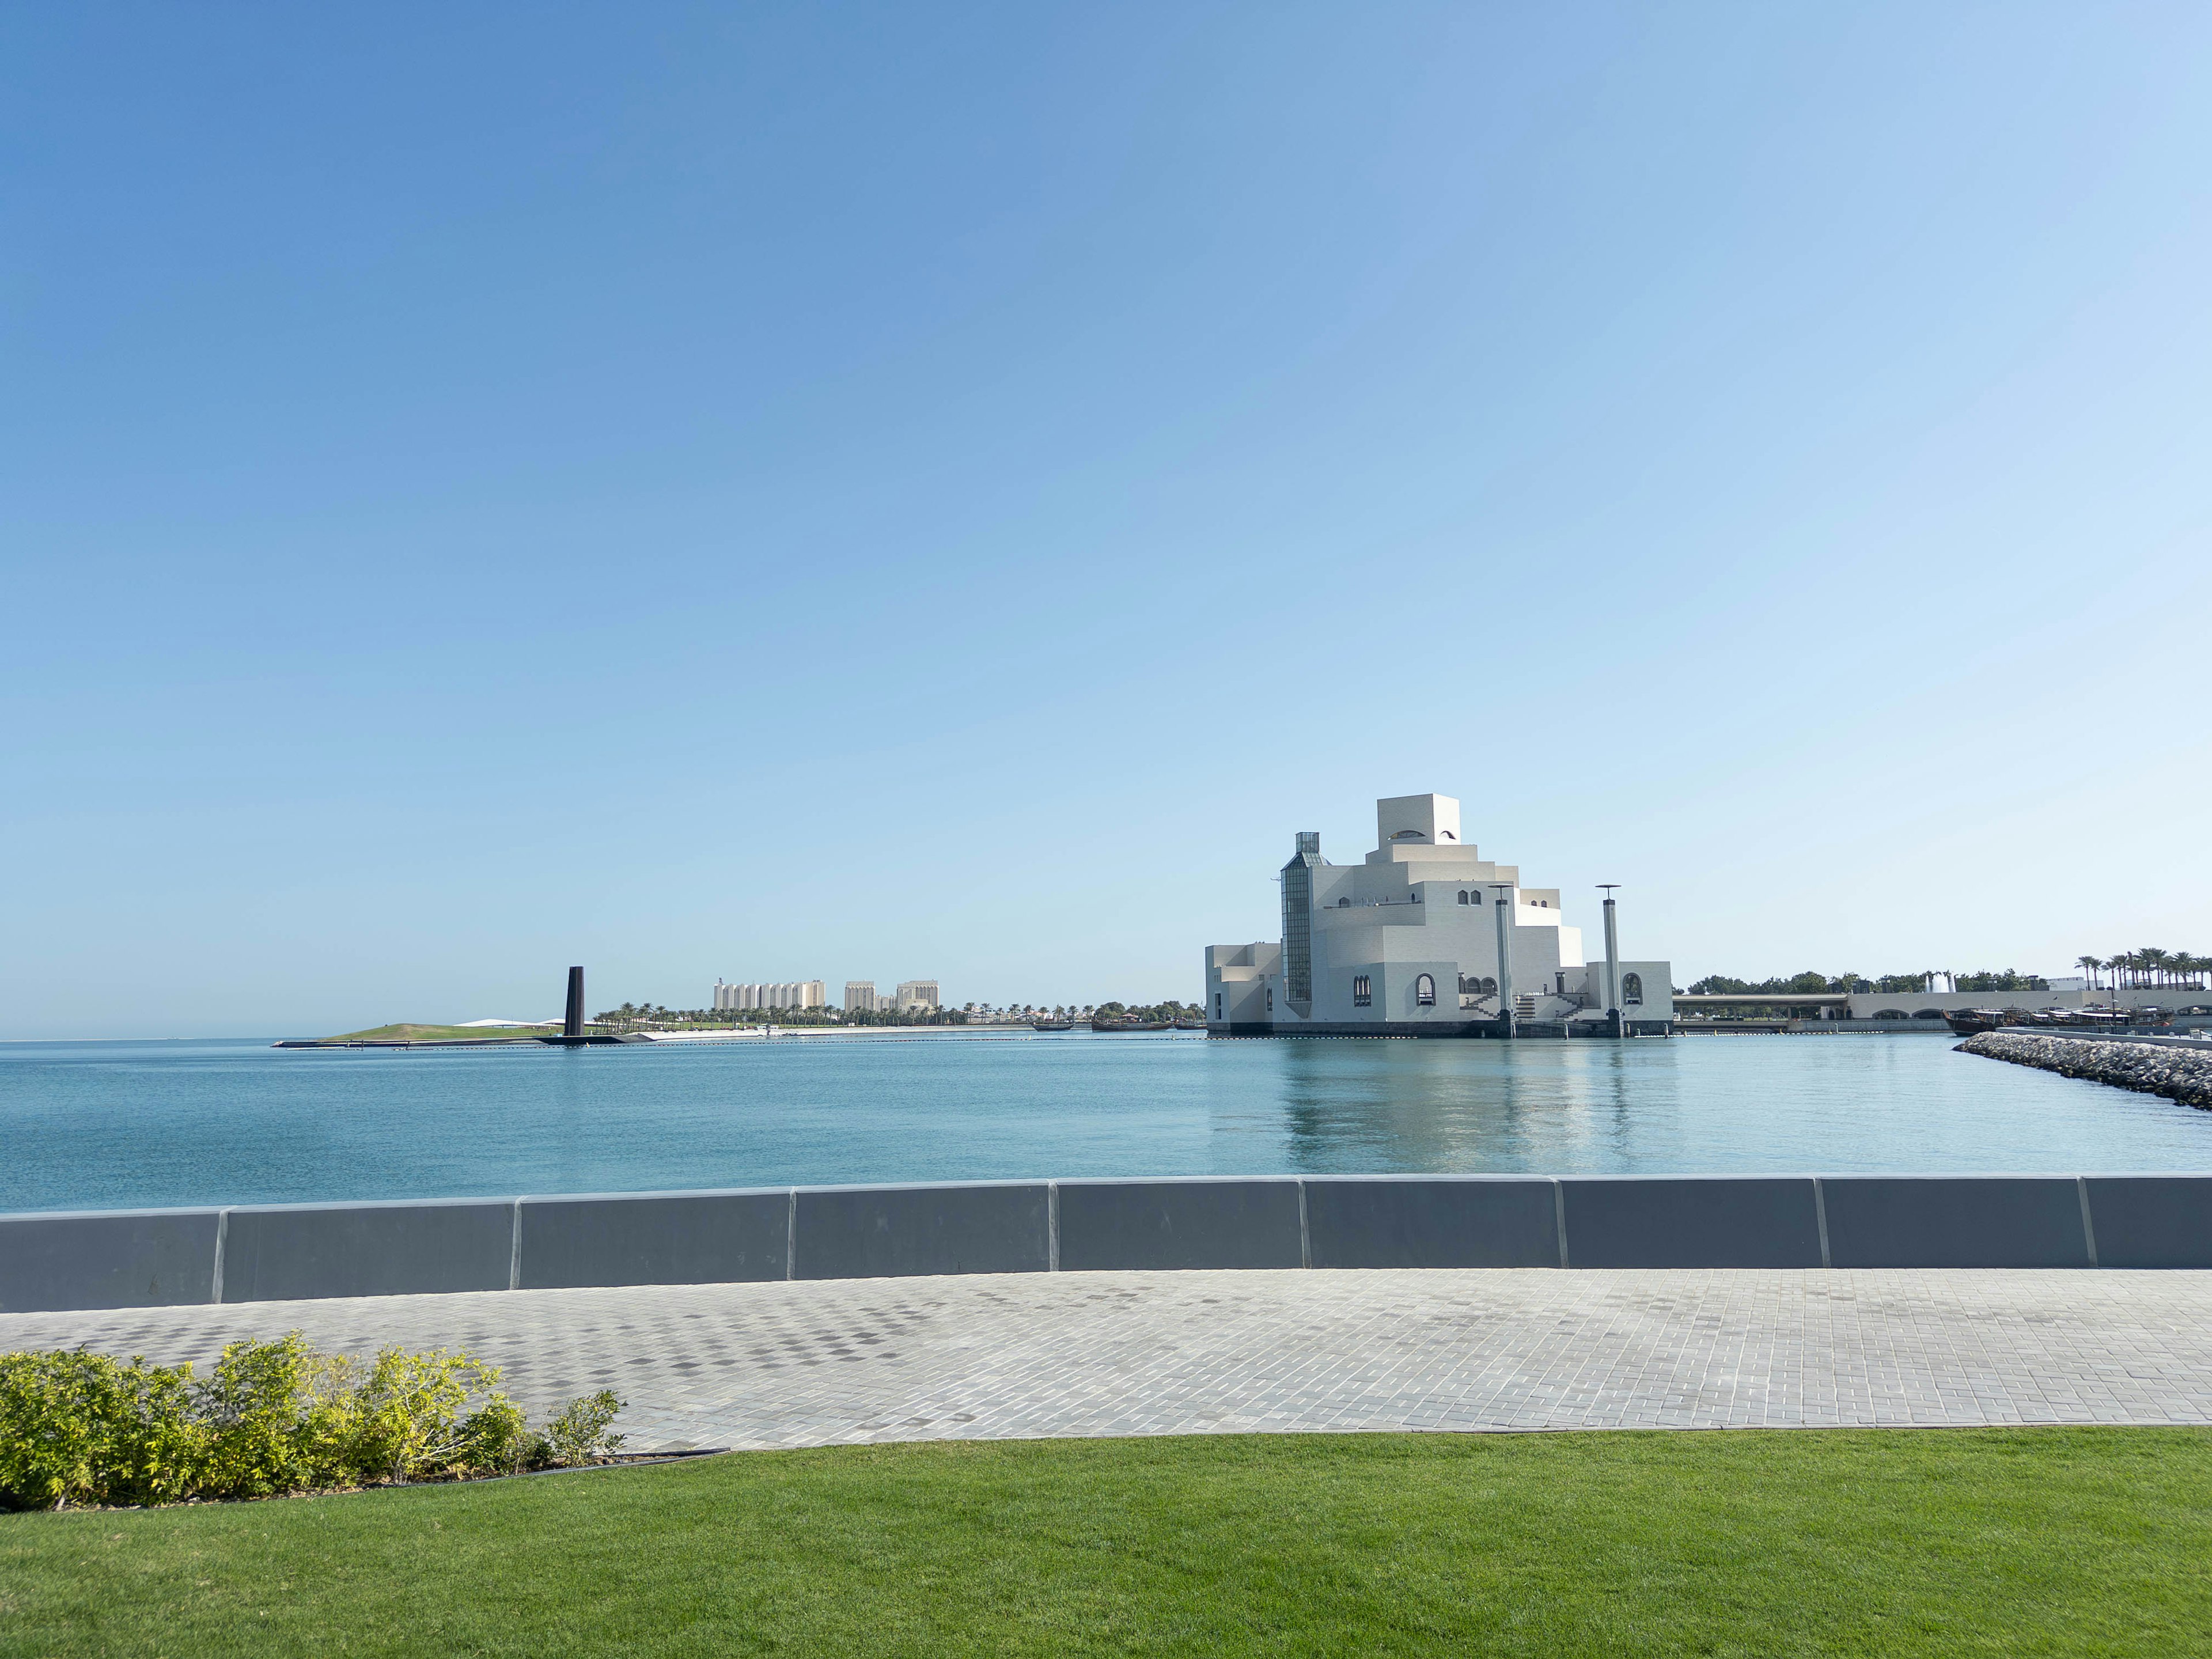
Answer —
(1023, 1356)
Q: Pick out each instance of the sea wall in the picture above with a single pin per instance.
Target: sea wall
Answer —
(265, 1253)
(2180, 1075)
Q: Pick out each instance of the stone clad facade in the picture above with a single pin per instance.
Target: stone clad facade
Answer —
(1405, 944)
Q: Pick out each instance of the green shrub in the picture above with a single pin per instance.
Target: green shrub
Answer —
(495, 1437)
(259, 1409)
(409, 1410)
(78, 1428)
(579, 1433)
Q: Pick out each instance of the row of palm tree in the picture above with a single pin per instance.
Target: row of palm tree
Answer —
(2145, 968)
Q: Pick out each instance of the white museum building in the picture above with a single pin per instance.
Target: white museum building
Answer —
(1425, 938)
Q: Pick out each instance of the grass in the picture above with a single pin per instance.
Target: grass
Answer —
(1928, 1541)
(413, 1033)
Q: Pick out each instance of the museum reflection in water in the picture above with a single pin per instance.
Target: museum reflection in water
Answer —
(1471, 1107)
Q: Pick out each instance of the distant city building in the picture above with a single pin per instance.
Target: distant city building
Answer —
(795, 994)
(1423, 938)
(916, 994)
(860, 996)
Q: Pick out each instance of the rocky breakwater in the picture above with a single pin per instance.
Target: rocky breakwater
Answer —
(2182, 1074)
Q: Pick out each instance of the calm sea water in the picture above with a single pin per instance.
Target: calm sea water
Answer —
(125, 1124)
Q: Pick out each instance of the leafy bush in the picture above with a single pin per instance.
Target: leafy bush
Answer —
(579, 1433)
(497, 1438)
(79, 1428)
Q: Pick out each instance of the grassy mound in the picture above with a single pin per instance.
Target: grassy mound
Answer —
(413, 1033)
(2049, 1541)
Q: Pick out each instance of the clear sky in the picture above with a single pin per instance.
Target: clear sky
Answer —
(833, 491)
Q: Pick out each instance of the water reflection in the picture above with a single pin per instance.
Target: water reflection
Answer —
(98, 1125)
(1409, 1106)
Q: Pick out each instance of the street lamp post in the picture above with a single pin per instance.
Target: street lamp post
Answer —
(1612, 964)
(1505, 957)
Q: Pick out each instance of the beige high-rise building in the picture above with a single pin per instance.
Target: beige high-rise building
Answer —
(860, 996)
(789, 994)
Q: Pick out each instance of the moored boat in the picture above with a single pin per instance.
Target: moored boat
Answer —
(1970, 1022)
(1966, 1022)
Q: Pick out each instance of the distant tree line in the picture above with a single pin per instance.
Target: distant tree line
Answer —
(2147, 967)
(893, 1017)
(1149, 1013)
(641, 1016)
(1811, 983)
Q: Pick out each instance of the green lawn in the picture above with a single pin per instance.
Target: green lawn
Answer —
(2049, 1541)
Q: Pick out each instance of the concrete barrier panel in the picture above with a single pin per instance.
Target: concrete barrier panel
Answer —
(129, 1259)
(661, 1238)
(1424, 1222)
(280, 1255)
(1179, 1224)
(1715, 1221)
(2152, 1221)
(880, 1233)
(1954, 1221)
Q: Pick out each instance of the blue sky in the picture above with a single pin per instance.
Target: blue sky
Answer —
(840, 491)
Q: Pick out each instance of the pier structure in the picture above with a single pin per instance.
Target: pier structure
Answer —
(1397, 946)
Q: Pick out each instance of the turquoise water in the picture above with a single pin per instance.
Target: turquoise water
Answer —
(107, 1125)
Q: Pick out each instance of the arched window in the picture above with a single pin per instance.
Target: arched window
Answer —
(1216, 1005)
(1343, 904)
(1417, 896)
(1463, 898)
(1425, 990)
(1363, 991)
(1632, 990)
(1271, 998)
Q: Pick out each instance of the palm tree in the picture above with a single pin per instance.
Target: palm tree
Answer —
(2153, 961)
(2089, 966)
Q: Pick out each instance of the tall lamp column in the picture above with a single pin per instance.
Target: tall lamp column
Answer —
(1612, 964)
(1505, 957)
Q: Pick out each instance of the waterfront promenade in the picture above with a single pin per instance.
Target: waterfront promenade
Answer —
(1020, 1356)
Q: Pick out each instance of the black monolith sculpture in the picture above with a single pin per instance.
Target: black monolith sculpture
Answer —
(573, 1024)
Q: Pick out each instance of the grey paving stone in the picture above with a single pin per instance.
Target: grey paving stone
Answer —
(844, 1361)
